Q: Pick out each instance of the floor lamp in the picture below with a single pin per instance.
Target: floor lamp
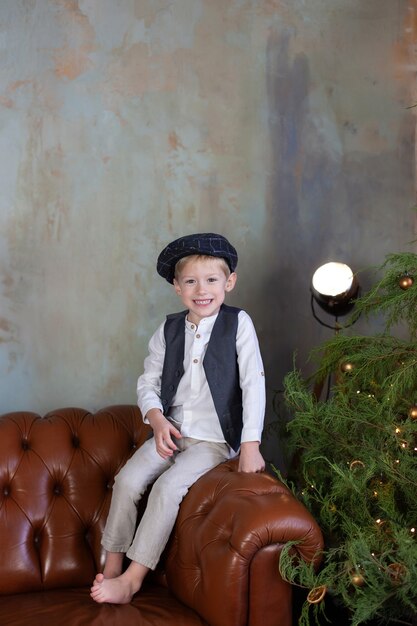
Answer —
(334, 288)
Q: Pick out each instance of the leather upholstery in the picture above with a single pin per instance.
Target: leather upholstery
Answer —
(220, 567)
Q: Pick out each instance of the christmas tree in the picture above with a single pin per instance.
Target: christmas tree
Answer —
(355, 460)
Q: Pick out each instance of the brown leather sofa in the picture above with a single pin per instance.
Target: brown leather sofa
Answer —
(219, 569)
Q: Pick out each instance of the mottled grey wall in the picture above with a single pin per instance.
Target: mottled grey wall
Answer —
(126, 123)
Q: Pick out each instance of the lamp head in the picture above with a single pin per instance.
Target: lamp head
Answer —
(335, 288)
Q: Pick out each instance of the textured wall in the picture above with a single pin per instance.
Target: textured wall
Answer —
(126, 123)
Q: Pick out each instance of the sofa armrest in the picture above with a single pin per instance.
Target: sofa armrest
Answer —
(224, 556)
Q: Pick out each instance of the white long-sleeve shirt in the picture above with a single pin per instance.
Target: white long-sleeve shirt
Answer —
(192, 406)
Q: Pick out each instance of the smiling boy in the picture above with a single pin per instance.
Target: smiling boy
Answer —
(203, 393)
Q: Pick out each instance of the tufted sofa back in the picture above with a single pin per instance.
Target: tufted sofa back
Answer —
(56, 475)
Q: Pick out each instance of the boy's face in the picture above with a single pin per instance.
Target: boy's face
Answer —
(202, 285)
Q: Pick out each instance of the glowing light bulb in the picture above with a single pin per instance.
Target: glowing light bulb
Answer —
(333, 279)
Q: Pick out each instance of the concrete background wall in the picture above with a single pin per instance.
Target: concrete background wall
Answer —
(126, 123)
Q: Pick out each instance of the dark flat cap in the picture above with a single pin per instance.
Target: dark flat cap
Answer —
(208, 244)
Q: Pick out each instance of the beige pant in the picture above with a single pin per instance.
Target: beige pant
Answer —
(176, 475)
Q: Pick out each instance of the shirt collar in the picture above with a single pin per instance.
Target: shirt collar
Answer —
(205, 324)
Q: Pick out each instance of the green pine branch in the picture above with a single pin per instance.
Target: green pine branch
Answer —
(387, 297)
(355, 460)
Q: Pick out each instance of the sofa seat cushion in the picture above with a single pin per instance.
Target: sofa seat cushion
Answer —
(74, 607)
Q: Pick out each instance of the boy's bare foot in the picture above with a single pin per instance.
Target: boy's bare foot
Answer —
(118, 590)
(121, 589)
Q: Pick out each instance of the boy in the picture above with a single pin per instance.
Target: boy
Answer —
(202, 392)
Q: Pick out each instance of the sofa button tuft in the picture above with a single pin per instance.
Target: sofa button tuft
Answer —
(25, 444)
(57, 490)
(75, 441)
(6, 491)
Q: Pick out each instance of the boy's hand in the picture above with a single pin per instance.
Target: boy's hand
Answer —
(250, 459)
(163, 431)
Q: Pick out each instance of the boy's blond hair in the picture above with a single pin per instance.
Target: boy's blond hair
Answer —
(202, 257)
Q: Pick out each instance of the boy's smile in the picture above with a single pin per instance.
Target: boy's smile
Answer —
(202, 285)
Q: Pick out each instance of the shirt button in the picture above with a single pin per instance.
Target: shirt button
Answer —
(195, 361)
(192, 326)
(198, 336)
